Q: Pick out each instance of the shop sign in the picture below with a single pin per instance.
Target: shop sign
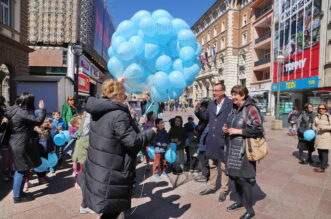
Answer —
(95, 73)
(83, 83)
(303, 83)
(85, 65)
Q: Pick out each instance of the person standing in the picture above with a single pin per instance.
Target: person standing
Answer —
(24, 141)
(243, 122)
(216, 116)
(114, 142)
(69, 110)
(189, 128)
(305, 122)
(322, 126)
(292, 120)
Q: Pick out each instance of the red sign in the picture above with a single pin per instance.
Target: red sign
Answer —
(303, 64)
(83, 83)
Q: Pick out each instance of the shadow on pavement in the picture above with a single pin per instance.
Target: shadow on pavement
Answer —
(258, 194)
(305, 156)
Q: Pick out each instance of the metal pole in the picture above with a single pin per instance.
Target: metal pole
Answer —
(278, 91)
(76, 81)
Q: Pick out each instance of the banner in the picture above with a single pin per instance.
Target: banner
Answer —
(83, 83)
(297, 37)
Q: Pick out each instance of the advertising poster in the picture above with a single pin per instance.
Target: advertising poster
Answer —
(297, 37)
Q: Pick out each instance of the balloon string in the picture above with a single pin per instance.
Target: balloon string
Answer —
(148, 108)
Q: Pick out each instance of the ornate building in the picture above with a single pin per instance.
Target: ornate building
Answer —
(13, 46)
(224, 32)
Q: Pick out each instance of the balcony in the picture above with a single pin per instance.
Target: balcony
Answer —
(264, 37)
(262, 11)
(261, 62)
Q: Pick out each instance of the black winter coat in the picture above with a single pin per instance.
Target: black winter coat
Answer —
(305, 122)
(216, 138)
(249, 120)
(23, 139)
(109, 170)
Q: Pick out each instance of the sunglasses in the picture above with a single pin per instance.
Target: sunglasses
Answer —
(321, 108)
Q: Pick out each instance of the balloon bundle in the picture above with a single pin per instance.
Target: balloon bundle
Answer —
(155, 53)
(51, 161)
(61, 138)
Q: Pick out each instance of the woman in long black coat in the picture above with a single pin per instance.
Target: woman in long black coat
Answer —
(115, 140)
(243, 122)
(23, 141)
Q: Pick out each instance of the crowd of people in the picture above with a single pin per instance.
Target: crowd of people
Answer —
(111, 138)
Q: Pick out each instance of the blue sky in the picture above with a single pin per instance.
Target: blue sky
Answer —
(188, 10)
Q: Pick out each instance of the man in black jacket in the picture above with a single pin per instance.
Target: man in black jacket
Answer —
(216, 116)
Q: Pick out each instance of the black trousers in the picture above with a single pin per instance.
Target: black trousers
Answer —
(244, 190)
(323, 155)
(194, 163)
(203, 161)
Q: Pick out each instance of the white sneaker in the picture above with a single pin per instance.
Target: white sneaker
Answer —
(86, 210)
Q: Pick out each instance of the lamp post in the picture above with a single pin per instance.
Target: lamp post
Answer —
(279, 59)
(78, 51)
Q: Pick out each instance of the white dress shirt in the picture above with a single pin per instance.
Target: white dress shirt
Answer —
(219, 106)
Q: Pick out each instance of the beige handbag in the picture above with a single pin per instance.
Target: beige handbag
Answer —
(256, 148)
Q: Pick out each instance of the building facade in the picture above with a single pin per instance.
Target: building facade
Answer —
(224, 32)
(53, 31)
(14, 52)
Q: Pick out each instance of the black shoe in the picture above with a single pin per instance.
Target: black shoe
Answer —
(248, 215)
(22, 199)
(310, 161)
(303, 162)
(222, 196)
(207, 191)
(201, 179)
(234, 207)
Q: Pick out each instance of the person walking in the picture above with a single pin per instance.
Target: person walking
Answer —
(24, 141)
(216, 116)
(114, 142)
(322, 126)
(243, 122)
(292, 120)
(305, 122)
(69, 110)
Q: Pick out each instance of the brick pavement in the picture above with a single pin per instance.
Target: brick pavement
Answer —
(284, 190)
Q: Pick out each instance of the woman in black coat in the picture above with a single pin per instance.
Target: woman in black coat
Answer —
(243, 122)
(23, 141)
(115, 140)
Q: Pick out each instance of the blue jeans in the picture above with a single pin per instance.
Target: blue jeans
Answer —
(18, 184)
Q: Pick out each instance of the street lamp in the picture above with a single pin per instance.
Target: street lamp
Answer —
(78, 51)
(279, 59)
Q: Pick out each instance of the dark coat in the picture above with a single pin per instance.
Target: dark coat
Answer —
(305, 122)
(24, 140)
(109, 170)
(216, 139)
(249, 120)
(179, 133)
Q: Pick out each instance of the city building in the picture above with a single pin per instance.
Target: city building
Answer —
(224, 31)
(262, 39)
(297, 36)
(55, 28)
(14, 52)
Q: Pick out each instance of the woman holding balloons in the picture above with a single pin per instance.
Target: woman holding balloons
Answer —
(322, 126)
(23, 141)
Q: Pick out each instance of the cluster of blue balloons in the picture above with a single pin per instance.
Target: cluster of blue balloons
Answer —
(155, 53)
(170, 154)
(309, 135)
(61, 138)
(51, 161)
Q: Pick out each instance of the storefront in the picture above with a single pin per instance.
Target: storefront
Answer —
(261, 99)
(83, 87)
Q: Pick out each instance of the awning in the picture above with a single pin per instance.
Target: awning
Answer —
(257, 93)
(83, 94)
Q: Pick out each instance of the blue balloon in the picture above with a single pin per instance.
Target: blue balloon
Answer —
(134, 73)
(138, 44)
(43, 166)
(156, 96)
(59, 139)
(178, 25)
(164, 26)
(126, 29)
(186, 37)
(173, 146)
(177, 80)
(151, 50)
(117, 41)
(163, 63)
(186, 53)
(198, 50)
(66, 135)
(172, 48)
(178, 65)
(191, 72)
(126, 51)
(170, 156)
(111, 51)
(115, 67)
(136, 18)
(147, 26)
(151, 152)
(161, 81)
(309, 135)
(160, 13)
(52, 159)
(175, 93)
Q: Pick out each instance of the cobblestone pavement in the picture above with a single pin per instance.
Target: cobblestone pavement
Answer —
(284, 190)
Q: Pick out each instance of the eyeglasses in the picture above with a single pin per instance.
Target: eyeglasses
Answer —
(321, 108)
(216, 90)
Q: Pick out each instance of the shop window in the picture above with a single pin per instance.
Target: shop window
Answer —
(244, 38)
(5, 12)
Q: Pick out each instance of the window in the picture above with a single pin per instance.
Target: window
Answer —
(267, 75)
(243, 59)
(222, 43)
(267, 54)
(208, 36)
(244, 20)
(64, 57)
(244, 38)
(223, 26)
(5, 12)
(243, 82)
(215, 31)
